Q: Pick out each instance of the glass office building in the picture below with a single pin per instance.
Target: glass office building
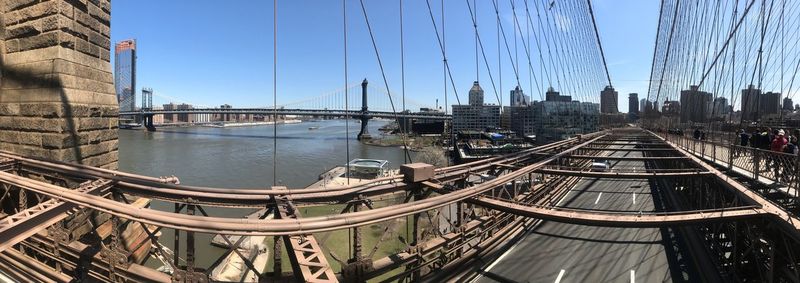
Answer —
(125, 74)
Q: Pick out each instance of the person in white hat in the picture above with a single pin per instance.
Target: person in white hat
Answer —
(777, 145)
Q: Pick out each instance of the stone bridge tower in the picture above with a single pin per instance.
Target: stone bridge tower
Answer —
(57, 98)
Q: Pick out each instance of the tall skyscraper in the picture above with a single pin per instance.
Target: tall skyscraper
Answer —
(633, 103)
(695, 105)
(125, 74)
(608, 100)
(519, 98)
(769, 103)
(721, 106)
(788, 105)
(642, 104)
(476, 116)
(476, 95)
(750, 103)
(552, 95)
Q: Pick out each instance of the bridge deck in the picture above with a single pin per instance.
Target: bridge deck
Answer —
(553, 251)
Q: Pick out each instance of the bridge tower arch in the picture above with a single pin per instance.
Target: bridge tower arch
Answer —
(364, 116)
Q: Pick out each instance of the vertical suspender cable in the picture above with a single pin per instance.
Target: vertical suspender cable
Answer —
(274, 92)
(475, 26)
(528, 36)
(346, 94)
(516, 48)
(499, 63)
(444, 61)
(403, 75)
(445, 73)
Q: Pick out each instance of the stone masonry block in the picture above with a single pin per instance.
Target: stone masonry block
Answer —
(12, 45)
(9, 109)
(10, 5)
(56, 52)
(60, 110)
(100, 40)
(94, 123)
(33, 12)
(79, 5)
(81, 71)
(35, 27)
(32, 124)
(102, 16)
(44, 110)
(54, 95)
(107, 160)
(66, 9)
(87, 48)
(40, 41)
(24, 138)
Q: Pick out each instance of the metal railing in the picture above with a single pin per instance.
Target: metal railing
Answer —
(763, 165)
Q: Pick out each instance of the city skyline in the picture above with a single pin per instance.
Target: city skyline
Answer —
(176, 74)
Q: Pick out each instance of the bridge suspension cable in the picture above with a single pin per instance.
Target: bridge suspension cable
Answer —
(599, 43)
(385, 81)
(346, 95)
(737, 50)
(275, 92)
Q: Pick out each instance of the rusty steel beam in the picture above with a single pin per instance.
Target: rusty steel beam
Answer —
(32, 270)
(647, 145)
(631, 158)
(606, 219)
(96, 267)
(629, 149)
(271, 227)
(623, 175)
(304, 252)
(18, 227)
(163, 188)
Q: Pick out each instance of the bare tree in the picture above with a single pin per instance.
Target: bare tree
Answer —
(432, 155)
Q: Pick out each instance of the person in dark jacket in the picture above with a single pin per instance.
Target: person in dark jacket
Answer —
(744, 139)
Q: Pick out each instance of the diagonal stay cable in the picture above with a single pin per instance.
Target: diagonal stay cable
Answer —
(505, 40)
(446, 64)
(727, 42)
(385, 81)
(599, 44)
(480, 42)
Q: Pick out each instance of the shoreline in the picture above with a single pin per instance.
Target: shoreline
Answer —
(250, 124)
(215, 125)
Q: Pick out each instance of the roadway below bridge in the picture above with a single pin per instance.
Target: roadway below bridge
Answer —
(561, 252)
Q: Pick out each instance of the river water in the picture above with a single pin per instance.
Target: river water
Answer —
(242, 157)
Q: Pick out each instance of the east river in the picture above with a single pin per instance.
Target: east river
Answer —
(242, 157)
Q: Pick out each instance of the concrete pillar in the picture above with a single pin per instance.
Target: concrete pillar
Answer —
(57, 98)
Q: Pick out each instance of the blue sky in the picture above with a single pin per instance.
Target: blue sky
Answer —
(210, 52)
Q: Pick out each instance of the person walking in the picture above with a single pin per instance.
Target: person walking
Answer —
(777, 145)
(744, 138)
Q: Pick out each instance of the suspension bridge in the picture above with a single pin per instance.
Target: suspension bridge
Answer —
(333, 104)
(663, 207)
